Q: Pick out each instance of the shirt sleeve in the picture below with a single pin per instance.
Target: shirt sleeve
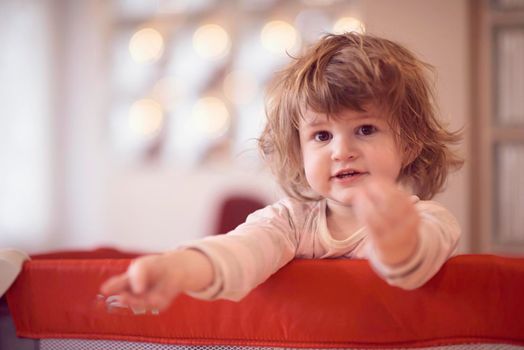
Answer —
(248, 255)
(439, 234)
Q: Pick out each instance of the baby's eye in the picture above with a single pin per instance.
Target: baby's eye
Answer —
(366, 130)
(322, 136)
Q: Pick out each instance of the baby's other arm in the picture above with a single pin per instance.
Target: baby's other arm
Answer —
(409, 242)
(391, 219)
(153, 281)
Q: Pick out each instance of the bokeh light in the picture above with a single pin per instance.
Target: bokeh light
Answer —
(210, 116)
(240, 87)
(278, 37)
(146, 45)
(318, 2)
(146, 117)
(211, 41)
(348, 24)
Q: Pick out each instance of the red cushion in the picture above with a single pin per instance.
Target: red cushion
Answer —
(308, 303)
(100, 253)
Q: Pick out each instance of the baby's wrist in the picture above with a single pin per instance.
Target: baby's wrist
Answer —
(398, 254)
(197, 270)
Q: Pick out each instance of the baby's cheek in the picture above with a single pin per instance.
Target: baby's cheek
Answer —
(309, 177)
(313, 176)
(390, 166)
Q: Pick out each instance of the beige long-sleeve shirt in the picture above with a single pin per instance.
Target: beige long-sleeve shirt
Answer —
(274, 235)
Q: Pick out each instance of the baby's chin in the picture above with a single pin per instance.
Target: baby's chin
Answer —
(345, 199)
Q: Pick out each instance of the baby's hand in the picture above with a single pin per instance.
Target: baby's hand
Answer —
(391, 218)
(152, 282)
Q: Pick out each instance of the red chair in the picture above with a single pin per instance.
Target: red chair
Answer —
(234, 211)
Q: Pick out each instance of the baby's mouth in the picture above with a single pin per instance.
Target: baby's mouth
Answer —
(348, 173)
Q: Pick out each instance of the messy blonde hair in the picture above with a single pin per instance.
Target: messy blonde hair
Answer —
(350, 71)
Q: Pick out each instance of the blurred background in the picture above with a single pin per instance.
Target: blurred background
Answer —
(129, 123)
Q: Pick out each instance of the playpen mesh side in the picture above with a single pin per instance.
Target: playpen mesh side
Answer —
(80, 344)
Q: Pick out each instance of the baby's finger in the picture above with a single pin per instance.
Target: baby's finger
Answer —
(137, 303)
(158, 301)
(161, 295)
(138, 273)
(115, 285)
(379, 190)
(372, 215)
(364, 207)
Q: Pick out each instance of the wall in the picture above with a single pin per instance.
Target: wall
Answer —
(26, 168)
(104, 200)
(101, 201)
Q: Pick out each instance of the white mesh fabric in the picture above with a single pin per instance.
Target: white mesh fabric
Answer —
(80, 344)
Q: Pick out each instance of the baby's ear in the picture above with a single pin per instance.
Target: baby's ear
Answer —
(411, 152)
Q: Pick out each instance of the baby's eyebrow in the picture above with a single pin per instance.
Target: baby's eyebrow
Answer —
(314, 123)
(365, 116)
(368, 119)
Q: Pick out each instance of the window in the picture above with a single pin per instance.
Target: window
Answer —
(499, 127)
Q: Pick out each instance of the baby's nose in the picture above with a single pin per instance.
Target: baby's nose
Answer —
(343, 149)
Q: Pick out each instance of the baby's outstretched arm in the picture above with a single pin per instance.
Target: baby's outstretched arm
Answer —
(392, 220)
(153, 281)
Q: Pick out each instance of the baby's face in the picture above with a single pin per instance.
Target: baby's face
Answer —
(342, 152)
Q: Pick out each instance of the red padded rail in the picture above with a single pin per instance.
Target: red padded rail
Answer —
(308, 303)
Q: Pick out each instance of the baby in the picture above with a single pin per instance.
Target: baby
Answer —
(354, 141)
